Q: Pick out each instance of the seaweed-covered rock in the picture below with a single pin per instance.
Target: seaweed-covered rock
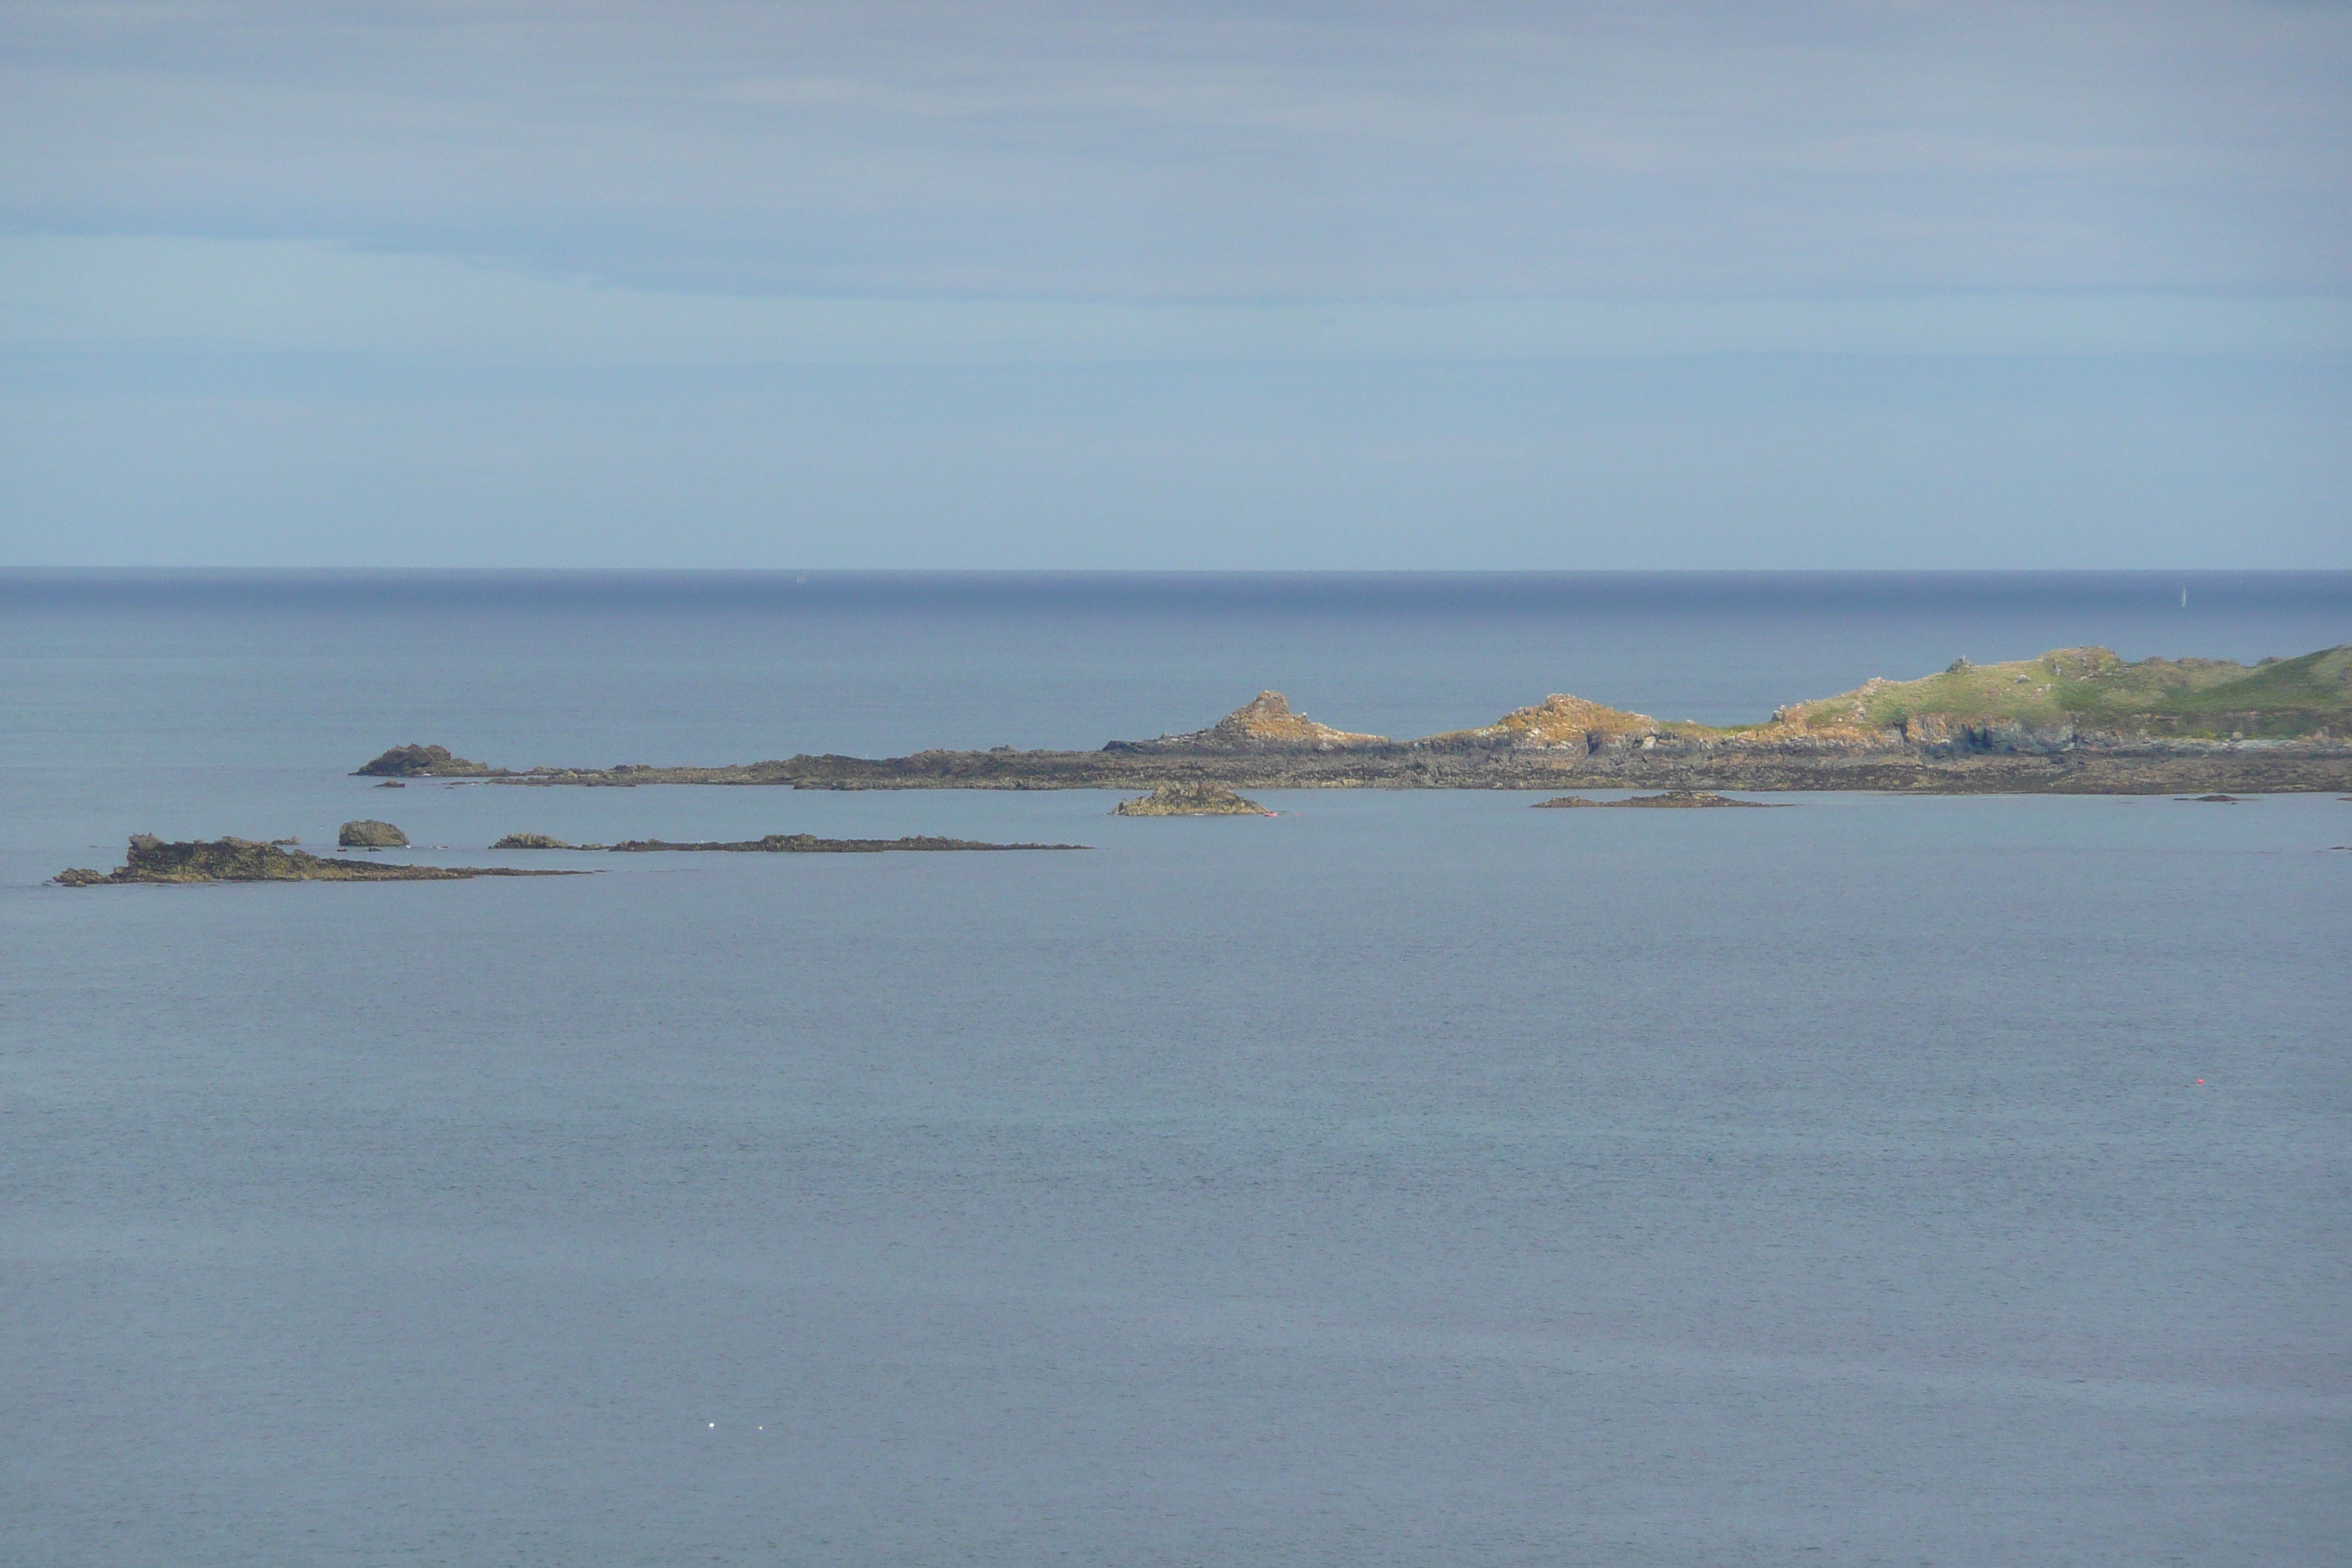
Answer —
(370, 835)
(1205, 798)
(531, 841)
(415, 761)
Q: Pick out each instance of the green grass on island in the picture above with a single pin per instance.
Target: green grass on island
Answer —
(2091, 687)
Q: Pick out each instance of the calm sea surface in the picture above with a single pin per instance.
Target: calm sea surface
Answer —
(1409, 1178)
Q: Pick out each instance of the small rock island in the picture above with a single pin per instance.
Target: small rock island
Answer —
(1205, 798)
(413, 761)
(152, 859)
(370, 835)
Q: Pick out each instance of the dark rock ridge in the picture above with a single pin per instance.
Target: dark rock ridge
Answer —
(2075, 721)
(370, 835)
(1202, 799)
(808, 843)
(532, 841)
(1672, 800)
(151, 859)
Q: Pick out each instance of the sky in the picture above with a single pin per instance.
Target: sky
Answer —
(1034, 285)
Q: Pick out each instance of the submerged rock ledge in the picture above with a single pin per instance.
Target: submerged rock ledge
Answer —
(809, 844)
(2073, 721)
(1673, 800)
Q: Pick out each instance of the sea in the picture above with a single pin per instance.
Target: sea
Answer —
(1405, 1178)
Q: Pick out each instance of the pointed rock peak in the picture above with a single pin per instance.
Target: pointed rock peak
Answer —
(1267, 717)
(1265, 705)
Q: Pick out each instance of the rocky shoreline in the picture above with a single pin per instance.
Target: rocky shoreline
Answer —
(2073, 721)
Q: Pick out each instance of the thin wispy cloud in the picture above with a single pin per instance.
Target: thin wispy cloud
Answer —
(1823, 283)
(1143, 151)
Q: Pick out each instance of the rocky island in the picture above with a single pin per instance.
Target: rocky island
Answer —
(423, 762)
(2075, 721)
(151, 859)
(1198, 799)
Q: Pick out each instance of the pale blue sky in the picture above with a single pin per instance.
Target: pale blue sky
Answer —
(1035, 285)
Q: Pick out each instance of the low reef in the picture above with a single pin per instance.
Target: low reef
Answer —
(153, 859)
(2073, 721)
(1203, 798)
(809, 844)
(1673, 800)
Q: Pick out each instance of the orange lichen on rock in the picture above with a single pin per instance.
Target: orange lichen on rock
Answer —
(1561, 719)
(1267, 719)
(1264, 723)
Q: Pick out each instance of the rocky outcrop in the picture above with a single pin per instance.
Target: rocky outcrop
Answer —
(808, 843)
(415, 761)
(370, 835)
(1561, 723)
(152, 859)
(1264, 723)
(1673, 800)
(531, 841)
(2077, 721)
(1205, 798)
